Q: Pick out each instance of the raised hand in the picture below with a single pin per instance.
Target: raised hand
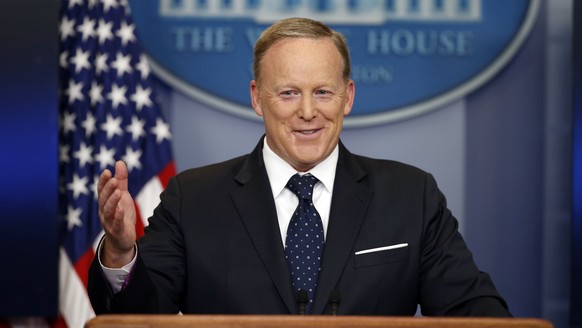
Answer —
(117, 214)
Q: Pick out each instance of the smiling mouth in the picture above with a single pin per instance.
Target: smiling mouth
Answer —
(307, 131)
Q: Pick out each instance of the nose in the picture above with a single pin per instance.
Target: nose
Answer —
(308, 108)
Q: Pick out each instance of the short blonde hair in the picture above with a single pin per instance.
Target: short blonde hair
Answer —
(299, 28)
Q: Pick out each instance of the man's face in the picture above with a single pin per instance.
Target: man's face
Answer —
(303, 99)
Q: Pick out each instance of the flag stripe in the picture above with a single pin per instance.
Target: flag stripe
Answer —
(148, 198)
(74, 303)
(168, 172)
(139, 222)
(82, 266)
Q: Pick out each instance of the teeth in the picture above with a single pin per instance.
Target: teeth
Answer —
(308, 131)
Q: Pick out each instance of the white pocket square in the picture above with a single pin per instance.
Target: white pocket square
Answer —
(379, 249)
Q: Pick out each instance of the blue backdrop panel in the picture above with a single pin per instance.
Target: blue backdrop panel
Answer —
(576, 295)
(28, 157)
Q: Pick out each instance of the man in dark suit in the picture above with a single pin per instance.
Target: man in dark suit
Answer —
(221, 240)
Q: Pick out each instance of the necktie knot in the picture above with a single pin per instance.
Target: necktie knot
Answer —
(302, 186)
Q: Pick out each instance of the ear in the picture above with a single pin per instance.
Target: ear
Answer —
(256, 98)
(350, 94)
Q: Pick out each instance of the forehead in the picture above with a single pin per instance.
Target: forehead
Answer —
(292, 45)
(302, 54)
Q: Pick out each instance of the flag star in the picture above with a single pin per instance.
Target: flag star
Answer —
(112, 126)
(141, 97)
(131, 158)
(72, 3)
(108, 4)
(122, 64)
(105, 157)
(73, 217)
(67, 27)
(87, 28)
(117, 95)
(125, 33)
(125, 5)
(96, 93)
(81, 60)
(84, 154)
(104, 31)
(136, 128)
(143, 67)
(89, 124)
(64, 59)
(78, 186)
(93, 3)
(64, 153)
(101, 63)
(74, 91)
(68, 122)
(161, 130)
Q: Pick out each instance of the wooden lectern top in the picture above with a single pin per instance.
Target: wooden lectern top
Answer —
(296, 321)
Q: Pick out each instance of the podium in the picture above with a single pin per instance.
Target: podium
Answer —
(296, 321)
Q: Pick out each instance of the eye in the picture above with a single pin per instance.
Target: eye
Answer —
(323, 93)
(288, 93)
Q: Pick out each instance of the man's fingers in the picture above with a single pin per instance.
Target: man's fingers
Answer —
(110, 205)
(116, 223)
(121, 174)
(103, 178)
(106, 191)
(119, 214)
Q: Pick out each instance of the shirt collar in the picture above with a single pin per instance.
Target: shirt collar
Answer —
(279, 171)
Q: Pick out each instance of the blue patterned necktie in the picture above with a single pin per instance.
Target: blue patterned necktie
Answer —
(304, 241)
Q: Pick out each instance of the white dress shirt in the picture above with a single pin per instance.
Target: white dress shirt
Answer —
(286, 201)
(279, 173)
(116, 276)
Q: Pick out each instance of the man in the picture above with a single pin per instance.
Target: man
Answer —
(228, 238)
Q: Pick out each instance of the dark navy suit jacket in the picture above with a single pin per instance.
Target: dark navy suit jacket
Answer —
(213, 246)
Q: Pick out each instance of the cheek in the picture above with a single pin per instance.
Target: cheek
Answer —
(333, 112)
(274, 124)
(280, 114)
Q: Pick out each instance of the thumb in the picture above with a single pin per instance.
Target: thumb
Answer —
(121, 175)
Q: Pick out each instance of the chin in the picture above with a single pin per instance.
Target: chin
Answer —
(310, 161)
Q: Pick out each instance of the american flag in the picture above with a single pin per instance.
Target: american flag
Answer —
(108, 113)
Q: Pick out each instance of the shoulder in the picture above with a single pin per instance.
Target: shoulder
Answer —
(228, 170)
(362, 167)
(394, 170)
(377, 164)
(217, 174)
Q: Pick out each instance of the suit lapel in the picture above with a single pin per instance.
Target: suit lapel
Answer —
(256, 207)
(254, 201)
(349, 203)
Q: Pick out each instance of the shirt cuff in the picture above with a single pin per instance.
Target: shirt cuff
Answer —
(117, 277)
